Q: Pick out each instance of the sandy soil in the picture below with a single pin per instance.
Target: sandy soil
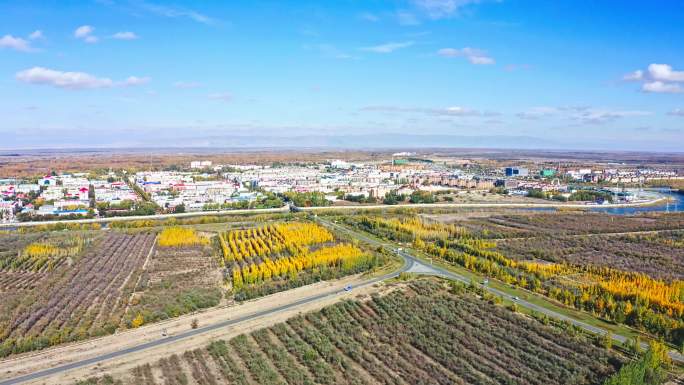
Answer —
(32, 362)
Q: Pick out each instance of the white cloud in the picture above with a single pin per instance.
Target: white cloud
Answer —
(661, 88)
(537, 113)
(176, 12)
(600, 116)
(68, 80)
(439, 9)
(83, 31)
(15, 43)
(35, 35)
(221, 96)
(474, 55)
(585, 115)
(187, 85)
(388, 47)
(72, 80)
(658, 78)
(448, 111)
(481, 60)
(125, 36)
(136, 81)
(634, 76)
(677, 112)
(460, 111)
(664, 72)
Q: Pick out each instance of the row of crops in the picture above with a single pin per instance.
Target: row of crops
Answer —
(421, 334)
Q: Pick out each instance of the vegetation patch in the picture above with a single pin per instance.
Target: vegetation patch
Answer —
(628, 297)
(179, 236)
(425, 333)
(85, 298)
(271, 258)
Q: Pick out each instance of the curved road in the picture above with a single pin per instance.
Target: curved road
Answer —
(438, 271)
(411, 264)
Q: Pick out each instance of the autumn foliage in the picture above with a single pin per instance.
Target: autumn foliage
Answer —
(282, 251)
(180, 237)
(239, 245)
(627, 297)
(45, 255)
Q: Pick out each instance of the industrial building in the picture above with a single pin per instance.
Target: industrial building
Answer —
(517, 171)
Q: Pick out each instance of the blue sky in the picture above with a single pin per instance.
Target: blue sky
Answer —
(115, 73)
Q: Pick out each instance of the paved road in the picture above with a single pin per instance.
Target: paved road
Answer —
(439, 271)
(411, 263)
(368, 207)
(408, 264)
(283, 209)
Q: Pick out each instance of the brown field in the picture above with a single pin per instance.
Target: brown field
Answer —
(390, 339)
(531, 224)
(659, 255)
(81, 286)
(39, 163)
(176, 281)
(82, 297)
(650, 243)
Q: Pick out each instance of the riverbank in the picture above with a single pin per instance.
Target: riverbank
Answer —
(641, 203)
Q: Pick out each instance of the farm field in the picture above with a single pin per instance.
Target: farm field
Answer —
(660, 256)
(62, 287)
(25, 260)
(390, 339)
(84, 293)
(559, 238)
(518, 225)
(183, 275)
(597, 285)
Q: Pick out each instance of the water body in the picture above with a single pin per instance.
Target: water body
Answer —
(675, 204)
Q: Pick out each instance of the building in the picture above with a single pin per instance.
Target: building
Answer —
(547, 173)
(340, 164)
(516, 171)
(200, 164)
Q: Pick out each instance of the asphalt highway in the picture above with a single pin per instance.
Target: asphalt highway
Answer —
(193, 332)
